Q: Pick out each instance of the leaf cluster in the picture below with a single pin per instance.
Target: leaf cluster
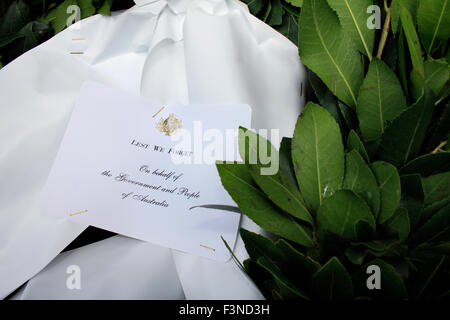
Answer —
(365, 179)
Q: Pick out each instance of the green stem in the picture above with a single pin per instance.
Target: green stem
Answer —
(385, 32)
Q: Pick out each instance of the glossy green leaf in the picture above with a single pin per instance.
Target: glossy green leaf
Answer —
(433, 21)
(380, 100)
(277, 186)
(413, 41)
(360, 179)
(282, 192)
(436, 74)
(317, 155)
(276, 13)
(402, 64)
(15, 18)
(432, 209)
(396, 7)
(61, 16)
(332, 282)
(353, 17)
(255, 149)
(295, 265)
(428, 164)
(326, 99)
(400, 222)
(105, 9)
(436, 226)
(285, 159)
(87, 8)
(412, 198)
(259, 246)
(296, 3)
(401, 141)
(349, 115)
(341, 212)
(390, 188)
(355, 143)
(256, 6)
(287, 289)
(289, 27)
(327, 50)
(238, 182)
(436, 187)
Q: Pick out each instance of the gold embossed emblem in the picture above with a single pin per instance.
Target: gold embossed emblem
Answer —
(169, 125)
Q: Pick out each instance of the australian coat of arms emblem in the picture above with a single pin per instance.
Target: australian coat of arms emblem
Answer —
(169, 125)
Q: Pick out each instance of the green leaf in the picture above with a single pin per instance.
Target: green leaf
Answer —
(285, 159)
(397, 5)
(7, 39)
(433, 20)
(436, 74)
(256, 6)
(15, 18)
(380, 100)
(441, 129)
(258, 246)
(238, 182)
(353, 17)
(341, 212)
(401, 141)
(259, 276)
(333, 282)
(426, 275)
(392, 286)
(390, 188)
(289, 27)
(317, 155)
(282, 192)
(400, 222)
(277, 186)
(349, 115)
(105, 9)
(413, 41)
(87, 9)
(295, 265)
(298, 266)
(378, 248)
(287, 289)
(326, 99)
(436, 226)
(255, 149)
(34, 32)
(327, 50)
(276, 13)
(401, 69)
(354, 143)
(61, 15)
(430, 250)
(432, 209)
(295, 3)
(428, 164)
(360, 179)
(436, 187)
(412, 197)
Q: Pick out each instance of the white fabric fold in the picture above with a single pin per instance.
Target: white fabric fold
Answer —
(172, 52)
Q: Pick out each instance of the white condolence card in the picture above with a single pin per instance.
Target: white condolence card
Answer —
(136, 168)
